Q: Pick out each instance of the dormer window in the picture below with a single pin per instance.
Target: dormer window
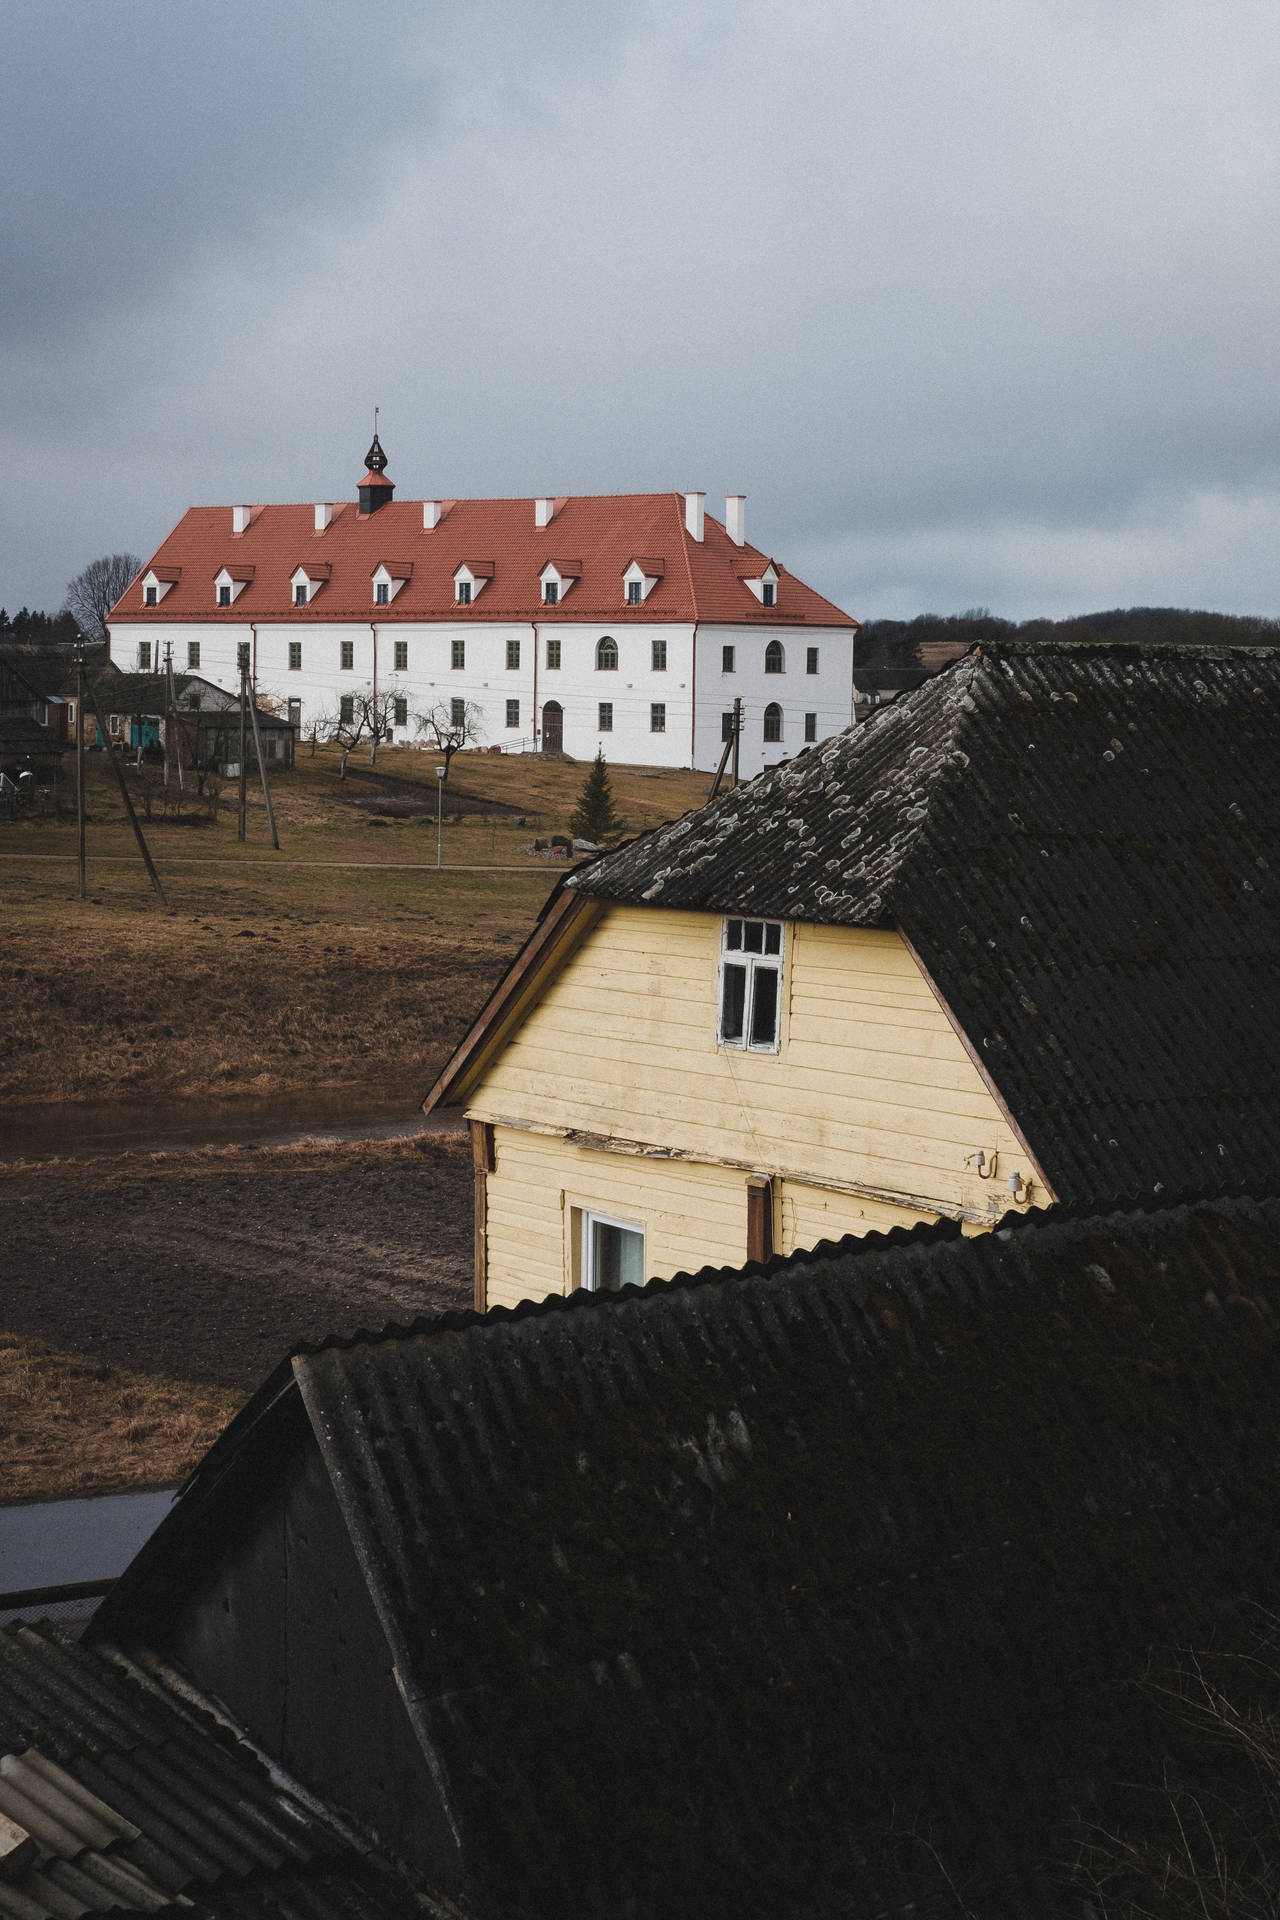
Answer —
(307, 581)
(760, 577)
(470, 580)
(157, 582)
(640, 579)
(388, 578)
(229, 584)
(558, 577)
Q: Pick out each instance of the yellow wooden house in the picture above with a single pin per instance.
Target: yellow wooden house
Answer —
(994, 948)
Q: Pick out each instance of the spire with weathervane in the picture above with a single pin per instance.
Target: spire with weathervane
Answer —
(375, 489)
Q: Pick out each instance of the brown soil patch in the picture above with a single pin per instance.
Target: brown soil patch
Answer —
(209, 1268)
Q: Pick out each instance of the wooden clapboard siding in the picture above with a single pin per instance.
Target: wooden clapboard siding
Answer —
(693, 1215)
(863, 1118)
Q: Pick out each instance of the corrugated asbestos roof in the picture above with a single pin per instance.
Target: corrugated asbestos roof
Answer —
(821, 1588)
(1083, 845)
(137, 1799)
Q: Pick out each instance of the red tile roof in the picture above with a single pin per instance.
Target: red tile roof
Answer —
(696, 580)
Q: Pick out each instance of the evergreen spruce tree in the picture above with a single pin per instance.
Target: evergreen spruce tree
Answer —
(594, 817)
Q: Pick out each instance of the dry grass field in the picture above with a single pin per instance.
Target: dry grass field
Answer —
(346, 958)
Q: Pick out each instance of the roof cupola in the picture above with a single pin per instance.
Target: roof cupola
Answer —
(375, 489)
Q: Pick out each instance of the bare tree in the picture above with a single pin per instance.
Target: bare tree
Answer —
(450, 725)
(359, 715)
(95, 590)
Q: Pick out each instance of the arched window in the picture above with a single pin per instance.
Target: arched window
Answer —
(773, 662)
(606, 655)
(773, 721)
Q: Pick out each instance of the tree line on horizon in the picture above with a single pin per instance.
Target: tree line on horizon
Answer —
(897, 643)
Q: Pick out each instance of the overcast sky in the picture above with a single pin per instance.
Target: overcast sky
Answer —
(976, 300)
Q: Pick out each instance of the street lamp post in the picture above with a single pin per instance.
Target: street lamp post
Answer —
(440, 773)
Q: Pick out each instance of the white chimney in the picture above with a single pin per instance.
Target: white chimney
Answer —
(735, 518)
(240, 518)
(324, 514)
(431, 514)
(693, 508)
(542, 512)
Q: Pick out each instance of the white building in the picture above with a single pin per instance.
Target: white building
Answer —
(625, 622)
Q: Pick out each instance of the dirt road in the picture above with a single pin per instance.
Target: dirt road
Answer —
(208, 1267)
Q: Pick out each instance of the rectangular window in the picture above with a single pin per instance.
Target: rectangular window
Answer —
(658, 716)
(144, 656)
(659, 661)
(300, 594)
(458, 654)
(402, 656)
(401, 711)
(346, 655)
(513, 655)
(550, 592)
(347, 709)
(382, 594)
(750, 984)
(553, 654)
(149, 597)
(193, 655)
(464, 593)
(726, 659)
(811, 726)
(71, 713)
(457, 713)
(811, 659)
(769, 594)
(513, 713)
(605, 722)
(635, 592)
(611, 1253)
(295, 656)
(113, 723)
(224, 596)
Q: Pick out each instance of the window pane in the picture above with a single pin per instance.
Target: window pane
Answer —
(733, 1000)
(811, 660)
(617, 1257)
(764, 1006)
(773, 939)
(726, 659)
(657, 716)
(193, 653)
(553, 653)
(513, 713)
(402, 656)
(659, 656)
(733, 935)
(513, 653)
(458, 653)
(402, 711)
(606, 716)
(753, 936)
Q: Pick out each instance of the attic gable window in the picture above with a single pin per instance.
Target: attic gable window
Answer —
(228, 586)
(156, 582)
(307, 582)
(639, 580)
(388, 578)
(750, 985)
(470, 581)
(759, 578)
(299, 593)
(557, 579)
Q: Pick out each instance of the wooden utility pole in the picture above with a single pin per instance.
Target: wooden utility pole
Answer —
(80, 844)
(244, 744)
(262, 771)
(737, 736)
(118, 770)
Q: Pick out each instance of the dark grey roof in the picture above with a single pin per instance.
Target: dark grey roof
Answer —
(50, 668)
(148, 693)
(1083, 845)
(818, 1589)
(136, 1797)
(888, 679)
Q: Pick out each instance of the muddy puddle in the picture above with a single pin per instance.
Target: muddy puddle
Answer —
(81, 1129)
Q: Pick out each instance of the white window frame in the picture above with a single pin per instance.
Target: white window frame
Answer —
(755, 963)
(588, 1218)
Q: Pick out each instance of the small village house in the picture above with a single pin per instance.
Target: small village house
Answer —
(1013, 939)
(197, 723)
(626, 623)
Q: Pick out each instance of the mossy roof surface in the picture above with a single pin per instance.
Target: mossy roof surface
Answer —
(1083, 844)
(823, 1588)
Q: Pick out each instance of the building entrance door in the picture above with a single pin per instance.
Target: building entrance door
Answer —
(553, 727)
